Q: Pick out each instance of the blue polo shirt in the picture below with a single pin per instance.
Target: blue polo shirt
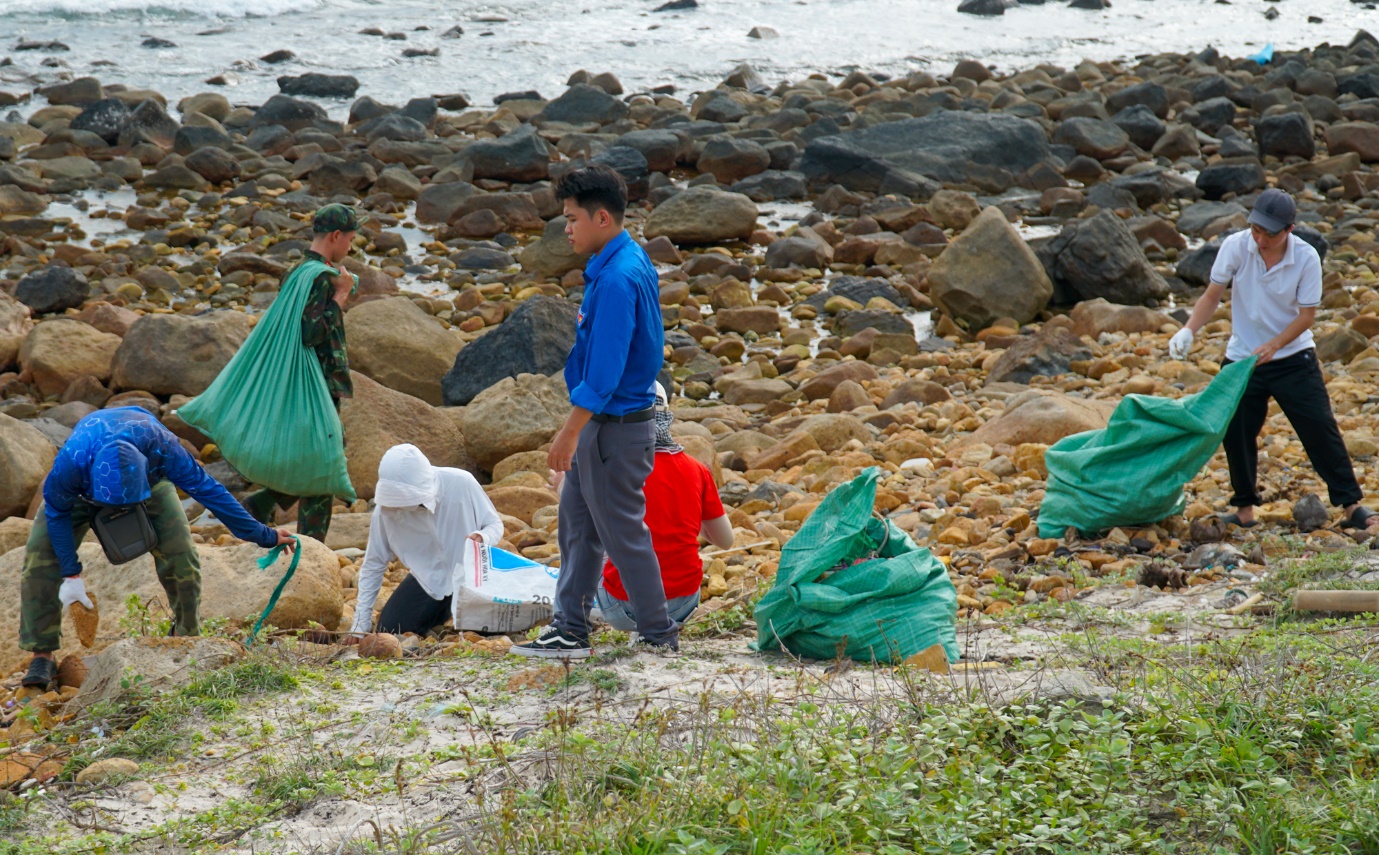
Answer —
(619, 339)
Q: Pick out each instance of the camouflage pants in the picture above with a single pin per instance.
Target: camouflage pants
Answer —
(175, 560)
(313, 512)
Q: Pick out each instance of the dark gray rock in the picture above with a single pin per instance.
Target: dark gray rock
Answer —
(1047, 353)
(1195, 267)
(342, 177)
(367, 108)
(631, 165)
(190, 138)
(1219, 179)
(423, 110)
(582, 104)
(315, 85)
(213, 164)
(985, 7)
(1309, 513)
(437, 203)
(1149, 94)
(771, 185)
(52, 289)
(859, 289)
(149, 123)
(946, 146)
(393, 126)
(1208, 116)
(278, 56)
(1100, 257)
(104, 118)
(1198, 216)
(663, 149)
(483, 258)
(846, 324)
(721, 108)
(535, 339)
(292, 113)
(1141, 124)
(1096, 138)
(729, 159)
(1314, 239)
(1286, 134)
(520, 156)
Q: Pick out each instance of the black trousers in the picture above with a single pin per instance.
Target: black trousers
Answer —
(411, 609)
(1296, 383)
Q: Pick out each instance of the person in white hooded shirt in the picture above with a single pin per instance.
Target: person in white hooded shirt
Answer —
(422, 516)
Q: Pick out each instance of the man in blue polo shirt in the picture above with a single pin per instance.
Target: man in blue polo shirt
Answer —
(607, 445)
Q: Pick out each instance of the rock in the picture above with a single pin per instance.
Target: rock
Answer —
(105, 118)
(334, 178)
(989, 272)
(14, 533)
(1359, 137)
(71, 671)
(520, 156)
(79, 92)
(1045, 354)
(822, 385)
(14, 328)
(61, 350)
(762, 320)
(377, 418)
(1094, 317)
(583, 104)
(1152, 96)
(1218, 179)
(1042, 418)
(1196, 217)
(948, 146)
(210, 104)
(26, 455)
(248, 262)
(1099, 257)
(292, 113)
(437, 203)
(1141, 125)
(213, 164)
(14, 201)
(1309, 513)
(380, 645)
(1096, 138)
(985, 7)
(175, 177)
(663, 149)
(521, 502)
(1211, 115)
(395, 127)
(833, 430)
(398, 182)
(103, 770)
(233, 588)
(759, 390)
(922, 392)
(1340, 345)
(701, 215)
(193, 138)
(178, 354)
(535, 339)
(52, 289)
(399, 345)
(1286, 135)
(551, 257)
(803, 249)
(631, 165)
(1195, 267)
(771, 185)
(149, 123)
(319, 85)
(516, 414)
(517, 210)
(729, 159)
(953, 209)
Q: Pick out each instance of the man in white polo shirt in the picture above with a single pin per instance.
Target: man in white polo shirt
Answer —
(1276, 282)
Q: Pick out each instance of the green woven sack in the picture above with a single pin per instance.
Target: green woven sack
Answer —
(1133, 471)
(269, 410)
(896, 601)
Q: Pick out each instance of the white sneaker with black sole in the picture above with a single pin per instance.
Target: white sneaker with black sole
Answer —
(553, 643)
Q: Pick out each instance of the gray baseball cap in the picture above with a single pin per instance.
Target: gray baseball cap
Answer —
(1274, 211)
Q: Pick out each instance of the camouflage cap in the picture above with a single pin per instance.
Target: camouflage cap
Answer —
(335, 218)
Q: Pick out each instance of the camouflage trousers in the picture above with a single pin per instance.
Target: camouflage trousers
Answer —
(313, 512)
(175, 560)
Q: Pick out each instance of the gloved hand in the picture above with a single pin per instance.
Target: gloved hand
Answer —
(73, 590)
(1180, 344)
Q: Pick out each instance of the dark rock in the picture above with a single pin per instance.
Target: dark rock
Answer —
(1141, 124)
(414, 52)
(1153, 186)
(729, 159)
(192, 138)
(278, 56)
(944, 146)
(771, 185)
(149, 123)
(104, 118)
(1314, 239)
(846, 324)
(76, 93)
(526, 95)
(437, 203)
(535, 339)
(985, 7)
(1208, 116)
(798, 251)
(483, 258)
(520, 156)
(631, 165)
(1236, 144)
(52, 289)
(722, 108)
(1151, 95)
(317, 85)
(342, 177)
(1198, 216)
(518, 210)
(215, 165)
(1048, 353)
(663, 149)
(422, 110)
(1096, 138)
(1090, 4)
(677, 6)
(1195, 267)
(393, 126)
(1286, 134)
(156, 43)
(1100, 257)
(1309, 513)
(367, 108)
(858, 289)
(292, 113)
(582, 104)
(1219, 179)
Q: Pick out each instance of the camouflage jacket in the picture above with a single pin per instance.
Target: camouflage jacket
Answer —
(323, 329)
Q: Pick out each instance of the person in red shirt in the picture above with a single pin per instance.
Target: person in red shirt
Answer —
(681, 505)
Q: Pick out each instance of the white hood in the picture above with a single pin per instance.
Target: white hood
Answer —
(406, 479)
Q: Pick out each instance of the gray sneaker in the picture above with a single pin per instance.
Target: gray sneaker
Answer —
(554, 643)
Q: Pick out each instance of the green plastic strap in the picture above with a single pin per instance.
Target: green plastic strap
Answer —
(264, 563)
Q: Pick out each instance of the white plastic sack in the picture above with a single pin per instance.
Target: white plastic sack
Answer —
(499, 592)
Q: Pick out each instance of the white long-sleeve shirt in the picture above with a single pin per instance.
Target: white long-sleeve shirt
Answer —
(428, 543)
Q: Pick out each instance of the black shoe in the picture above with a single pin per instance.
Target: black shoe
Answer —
(555, 644)
(661, 648)
(42, 674)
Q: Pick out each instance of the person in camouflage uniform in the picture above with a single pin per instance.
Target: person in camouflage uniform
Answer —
(323, 330)
(116, 458)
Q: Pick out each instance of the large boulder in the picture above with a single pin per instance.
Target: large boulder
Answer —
(518, 414)
(104, 118)
(1359, 137)
(1040, 417)
(396, 343)
(1048, 353)
(233, 588)
(833, 430)
(583, 104)
(52, 289)
(1100, 257)
(26, 455)
(947, 146)
(14, 328)
(729, 159)
(61, 350)
(989, 272)
(316, 85)
(291, 113)
(1094, 317)
(703, 215)
(17, 201)
(378, 418)
(535, 339)
(1220, 179)
(162, 663)
(520, 156)
(149, 123)
(552, 256)
(178, 354)
(437, 203)
(1098, 138)
(1286, 134)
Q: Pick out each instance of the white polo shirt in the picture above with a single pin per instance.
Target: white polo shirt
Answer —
(1265, 301)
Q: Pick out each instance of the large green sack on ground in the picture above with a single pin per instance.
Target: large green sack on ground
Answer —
(896, 601)
(1133, 471)
(269, 410)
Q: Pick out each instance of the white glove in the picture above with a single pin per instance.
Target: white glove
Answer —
(73, 590)
(1180, 344)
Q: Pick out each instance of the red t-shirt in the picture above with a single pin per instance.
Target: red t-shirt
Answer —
(680, 495)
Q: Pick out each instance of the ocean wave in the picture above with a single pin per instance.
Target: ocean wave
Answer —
(208, 8)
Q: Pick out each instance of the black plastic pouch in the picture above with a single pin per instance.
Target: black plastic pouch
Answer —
(124, 532)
